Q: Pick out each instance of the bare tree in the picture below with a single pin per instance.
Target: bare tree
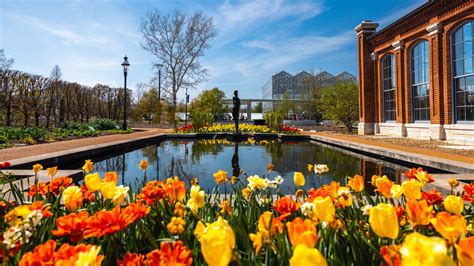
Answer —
(177, 41)
(5, 63)
(6, 74)
(51, 93)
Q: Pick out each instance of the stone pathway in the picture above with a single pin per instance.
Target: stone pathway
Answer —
(39, 149)
(380, 143)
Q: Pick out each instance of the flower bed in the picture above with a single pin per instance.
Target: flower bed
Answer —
(243, 128)
(168, 222)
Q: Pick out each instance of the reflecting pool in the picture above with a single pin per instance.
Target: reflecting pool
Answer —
(201, 158)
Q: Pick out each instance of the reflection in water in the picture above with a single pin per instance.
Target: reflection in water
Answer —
(201, 158)
(235, 161)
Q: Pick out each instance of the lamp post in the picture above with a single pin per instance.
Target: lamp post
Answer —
(186, 107)
(159, 66)
(125, 66)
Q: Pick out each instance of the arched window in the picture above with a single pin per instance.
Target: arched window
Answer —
(388, 86)
(463, 61)
(420, 82)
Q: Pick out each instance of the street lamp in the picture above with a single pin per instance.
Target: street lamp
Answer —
(159, 66)
(125, 66)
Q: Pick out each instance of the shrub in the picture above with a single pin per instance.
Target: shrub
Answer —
(29, 140)
(104, 124)
(274, 120)
(3, 139)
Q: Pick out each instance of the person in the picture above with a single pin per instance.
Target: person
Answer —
(236, 110)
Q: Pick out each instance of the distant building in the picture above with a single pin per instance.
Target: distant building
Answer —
(294, 86)
(416, 75)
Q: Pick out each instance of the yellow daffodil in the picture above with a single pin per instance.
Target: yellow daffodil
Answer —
(88, 166)
(143, 165)
(220, 177)
(52, 171)
(255, 182)
(176, 226)
(196, 199)
(120, 192)
(37, 167)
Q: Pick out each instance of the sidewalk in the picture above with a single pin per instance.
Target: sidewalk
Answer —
(39, 149)
(381, 143)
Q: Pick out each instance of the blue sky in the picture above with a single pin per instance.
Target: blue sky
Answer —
(256, 38)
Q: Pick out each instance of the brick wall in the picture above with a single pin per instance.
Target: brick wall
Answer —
(434, 22)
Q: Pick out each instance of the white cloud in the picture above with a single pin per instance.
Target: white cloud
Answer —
(280, 54)
(236, 20)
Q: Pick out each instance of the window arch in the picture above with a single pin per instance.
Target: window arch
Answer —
(388, 87)
(463, 63)
(420, 81)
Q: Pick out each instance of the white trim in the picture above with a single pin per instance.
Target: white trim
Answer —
(434, 28)
(397, 45)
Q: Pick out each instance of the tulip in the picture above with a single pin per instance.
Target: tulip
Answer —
(449, 226)
(302, 256)
(92, 182)
(72, 198)
(412, 189)
(384, 221)
(299, 179)
(418, 249)
(324, 209)
(418, 212)
(302, 232)
(356, 183)
(217, 243)
(454, 204)
(464, 251)
(107, 189)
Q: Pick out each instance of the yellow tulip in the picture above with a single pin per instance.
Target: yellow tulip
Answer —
(418, 249)
(384, 221)
(72, 198)
(453, 204)
(217, 243)
(92, 182)
(107, 189)
(412, 189)
(324, 209)
(90, 257)
(299, 179)
(303, 256)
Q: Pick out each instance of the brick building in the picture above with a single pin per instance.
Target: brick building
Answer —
(416, 76)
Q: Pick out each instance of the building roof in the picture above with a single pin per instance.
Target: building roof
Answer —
(411, 13)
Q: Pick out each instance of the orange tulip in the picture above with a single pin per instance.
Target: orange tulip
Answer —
(356, 183)
(449, 226)
(170, 254)
(71, 225)
(419, 212)
(286, 206)
(302, 232)
(131, 259)
(111, 177)
(175, 189)
(268, 223)
(464, 251)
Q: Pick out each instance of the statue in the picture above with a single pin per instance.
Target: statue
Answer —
(236, 110)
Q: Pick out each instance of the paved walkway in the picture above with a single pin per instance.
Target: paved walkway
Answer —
(381, 143)
(33, 150)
